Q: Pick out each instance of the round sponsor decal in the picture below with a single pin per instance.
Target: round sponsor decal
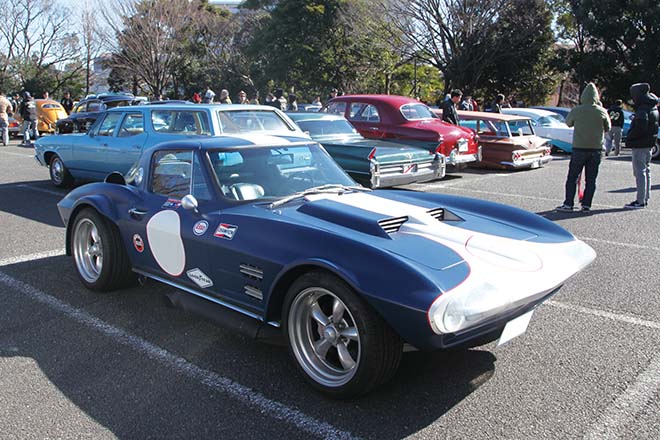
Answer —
(200, 227)
(138, 243)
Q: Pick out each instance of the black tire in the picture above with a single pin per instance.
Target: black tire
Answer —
(115, 268)
(59, 174)
(655, 151)
(375, 347)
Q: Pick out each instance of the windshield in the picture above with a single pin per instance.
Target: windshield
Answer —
(250, 173)
(552, 120)
(246, 121)
(416, 111)
(329, 129)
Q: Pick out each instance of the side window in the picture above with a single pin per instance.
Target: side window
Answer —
(337, 108)
(94, 106)
(172, 173)
(132, 125)
(363, 112)
(180, 122)
(107, 127)
(370, 113)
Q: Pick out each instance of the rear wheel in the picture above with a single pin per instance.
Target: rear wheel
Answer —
(655, 151)
(340, 345)
(99, 254)
(59, 174)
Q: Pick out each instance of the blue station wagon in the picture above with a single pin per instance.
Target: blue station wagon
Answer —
(117, 138)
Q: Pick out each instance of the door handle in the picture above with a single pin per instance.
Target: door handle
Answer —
(374, 128)
(135, 212)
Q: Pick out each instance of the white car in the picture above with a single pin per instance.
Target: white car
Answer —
(548, 125)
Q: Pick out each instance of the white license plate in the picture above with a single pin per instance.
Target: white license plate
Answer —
(515, 327)
(535, 164)
(462, 145)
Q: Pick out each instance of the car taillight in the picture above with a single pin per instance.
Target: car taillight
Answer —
(515, 156)
(372, 154)
(438, 149)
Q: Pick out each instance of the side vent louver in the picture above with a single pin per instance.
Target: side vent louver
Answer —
(437, 213)
(253, 292)
(393, 224)
(252, 272)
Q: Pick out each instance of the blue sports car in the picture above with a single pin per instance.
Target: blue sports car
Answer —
(280, 234)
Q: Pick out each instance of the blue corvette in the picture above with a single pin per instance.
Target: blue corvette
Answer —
(278, 232)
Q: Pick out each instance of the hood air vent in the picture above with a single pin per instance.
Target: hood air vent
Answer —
(437, 213)
(393, 224)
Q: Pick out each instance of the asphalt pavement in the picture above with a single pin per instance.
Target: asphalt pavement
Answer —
(77, 364)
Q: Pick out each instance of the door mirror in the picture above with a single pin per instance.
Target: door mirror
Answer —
(189, 203)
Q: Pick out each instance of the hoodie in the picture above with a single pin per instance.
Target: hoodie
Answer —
(590, 120)
(644, 127)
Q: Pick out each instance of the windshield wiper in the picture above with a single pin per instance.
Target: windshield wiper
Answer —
(323, 189)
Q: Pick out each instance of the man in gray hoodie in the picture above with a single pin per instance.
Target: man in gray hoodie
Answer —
(591, 122)
(642, 136)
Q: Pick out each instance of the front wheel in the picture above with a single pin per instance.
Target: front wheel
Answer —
(655, 151)
(59, 174)
(98, 252)
(340, 345)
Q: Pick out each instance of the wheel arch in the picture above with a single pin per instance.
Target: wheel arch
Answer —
(290, 274)
(100, 204)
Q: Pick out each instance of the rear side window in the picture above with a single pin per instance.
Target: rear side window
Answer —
(363, 112)
(181, 122)
(132, 125)
(107, 127)
(172, 173)
(337, 108)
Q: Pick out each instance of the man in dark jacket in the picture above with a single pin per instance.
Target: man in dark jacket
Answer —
(642, 136)
(449, 113)
(67, 103)
(590, 122)
(28, 112)
(613, 137)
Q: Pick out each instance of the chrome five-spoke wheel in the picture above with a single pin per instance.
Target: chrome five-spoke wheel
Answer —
(88, 250)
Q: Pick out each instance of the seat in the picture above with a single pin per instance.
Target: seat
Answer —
(246, 191)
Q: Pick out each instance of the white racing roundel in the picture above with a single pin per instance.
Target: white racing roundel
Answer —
(164, 236)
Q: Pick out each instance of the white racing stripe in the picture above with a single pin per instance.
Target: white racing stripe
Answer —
(241, 393)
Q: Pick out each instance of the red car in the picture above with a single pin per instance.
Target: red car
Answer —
(400, 117)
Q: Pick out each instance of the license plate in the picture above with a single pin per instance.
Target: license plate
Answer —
(462, 145)
(515, 327)
(536, 164)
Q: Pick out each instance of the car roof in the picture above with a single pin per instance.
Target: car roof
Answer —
(309, 116)
(490, 116)
(190, 105)
(394, 100)
(528, 111)
(231, 141)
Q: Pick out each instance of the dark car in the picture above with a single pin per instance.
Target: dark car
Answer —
(372, 162)
(85, 113)
(279, 235)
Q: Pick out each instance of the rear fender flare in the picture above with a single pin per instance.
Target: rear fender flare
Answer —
(101, 203)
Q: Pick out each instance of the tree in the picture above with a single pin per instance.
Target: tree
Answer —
(150, 35)
(38, 45)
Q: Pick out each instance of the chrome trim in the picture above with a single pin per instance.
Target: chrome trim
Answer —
(253, 292)
(207, 297)
(252, 271)
(527, 161)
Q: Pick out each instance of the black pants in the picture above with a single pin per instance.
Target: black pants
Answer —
(589, 160)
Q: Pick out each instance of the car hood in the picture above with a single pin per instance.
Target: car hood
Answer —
(443, 236)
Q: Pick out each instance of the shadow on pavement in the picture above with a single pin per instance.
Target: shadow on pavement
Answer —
(135, 396)
(32, 200)
(560, 215)
(632, 189)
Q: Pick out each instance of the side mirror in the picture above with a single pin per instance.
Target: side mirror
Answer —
(189, 203)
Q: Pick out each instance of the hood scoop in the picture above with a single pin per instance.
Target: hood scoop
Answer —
(356, 219)
(442, 214)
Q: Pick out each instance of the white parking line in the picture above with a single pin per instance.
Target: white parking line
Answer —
(629, 319)
(17, 154)
(243, 394)
(30, 257)
(616, 243)
(627, 406)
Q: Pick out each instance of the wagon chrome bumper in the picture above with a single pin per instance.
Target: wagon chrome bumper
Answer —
(406, 173)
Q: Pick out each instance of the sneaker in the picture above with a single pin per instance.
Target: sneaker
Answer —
(635, 205)
(564, 208)
(585, 209)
